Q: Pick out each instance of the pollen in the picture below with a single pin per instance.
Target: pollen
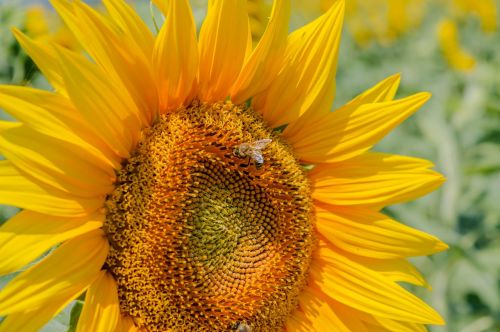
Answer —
(204, 236)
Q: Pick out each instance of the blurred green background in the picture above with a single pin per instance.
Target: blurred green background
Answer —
(448, 47)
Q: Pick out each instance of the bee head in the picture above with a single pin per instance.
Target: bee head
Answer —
(237, 153)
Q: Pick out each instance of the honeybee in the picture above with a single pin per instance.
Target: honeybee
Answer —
(242, 327)
(253, 151)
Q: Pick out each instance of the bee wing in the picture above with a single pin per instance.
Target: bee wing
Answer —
(261, 144)
(256, 156)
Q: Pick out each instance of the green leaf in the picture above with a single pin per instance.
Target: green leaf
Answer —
(75, 314)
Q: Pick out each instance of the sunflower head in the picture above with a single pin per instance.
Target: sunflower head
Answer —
(214, 237)
(201, 183)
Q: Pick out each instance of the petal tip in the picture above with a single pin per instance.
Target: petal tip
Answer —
(425, 96)
(441, 246)
(19, 35)
(395, 77)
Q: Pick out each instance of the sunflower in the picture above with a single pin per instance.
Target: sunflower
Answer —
(456, 56)
(258, 13)
(39, 23)
(201, 184)
(449, 33)
(381, 21)
(485, 11)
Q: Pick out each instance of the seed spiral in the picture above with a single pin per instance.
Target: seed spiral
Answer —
(202, 239)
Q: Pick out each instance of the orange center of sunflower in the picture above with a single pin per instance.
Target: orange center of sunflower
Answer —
(210, 224)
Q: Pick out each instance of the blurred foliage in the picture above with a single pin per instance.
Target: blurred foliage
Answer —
(39, 23)
(459, 129)
(12, 61)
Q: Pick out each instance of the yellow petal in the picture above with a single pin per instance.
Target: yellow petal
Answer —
(397, 270)
(162, 5)
(65, 272)
(223, 44)
(385, 90)
(348, 319)
(28, 235)
(317, 315)
(101, 309)
(265, 61)
(380, 161)
(297, 322)
(8, 125)
(59, 164)
(45, 58)
(367, 233)
(131, 24)
(17, 189)
(306, 80)
(54, 115)
(386, 325)
(34, 320)
(348, 132)
(97, 97)
(363, 289)
(175, 56)
(126, 324)
(373, 323)
(116, 53)
(373, 180)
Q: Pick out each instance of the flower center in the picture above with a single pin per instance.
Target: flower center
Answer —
(210, 224)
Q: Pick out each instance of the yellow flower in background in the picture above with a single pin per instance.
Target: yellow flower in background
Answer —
(455, 55)
(258, 14)
(381, 21)
(198, 183)
(485, 10)
(36, 24)
(41, 24)
(448, 31)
